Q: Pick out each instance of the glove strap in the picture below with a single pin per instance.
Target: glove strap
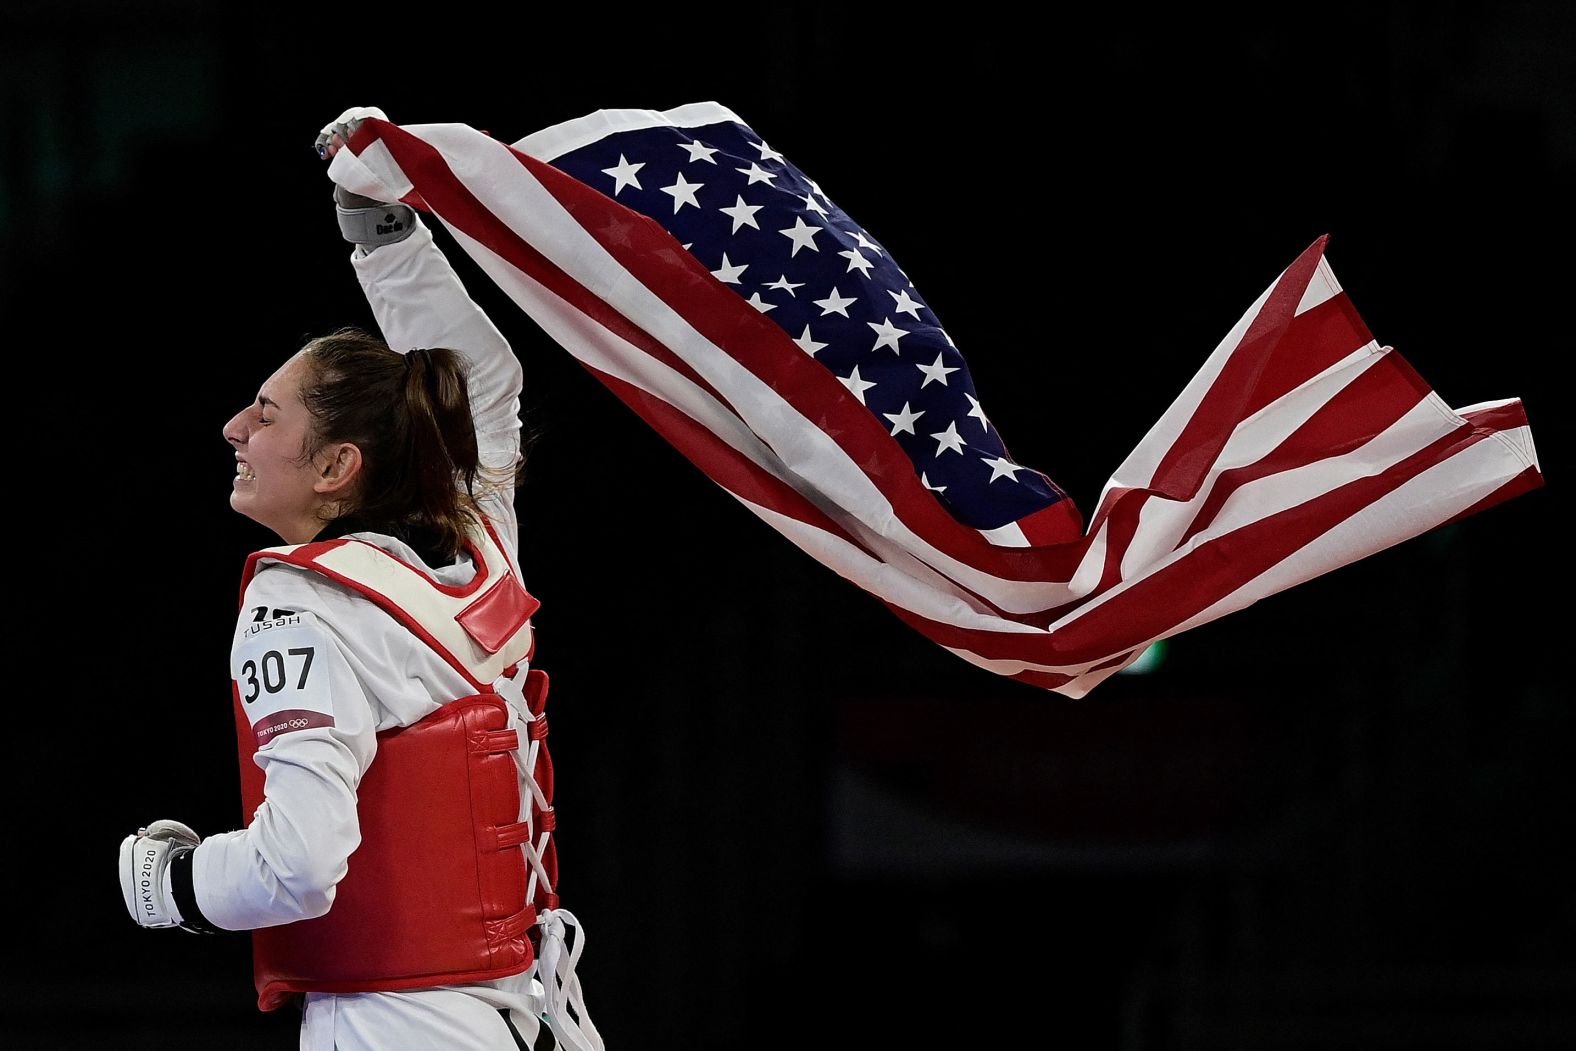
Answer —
(383, 225)
(185, 895)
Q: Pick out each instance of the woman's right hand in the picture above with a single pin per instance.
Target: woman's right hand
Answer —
(332, 139)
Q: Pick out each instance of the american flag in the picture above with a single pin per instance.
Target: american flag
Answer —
(724, 297)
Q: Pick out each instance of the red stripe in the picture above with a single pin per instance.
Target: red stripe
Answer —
(1120, 527)
(1059, 523)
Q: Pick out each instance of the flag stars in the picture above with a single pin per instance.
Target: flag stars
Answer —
(683, 193)
(623, 174)
(980, 413)
(808, 344)
(866, 243)
(729, 272)
(935, 371)
(813, 205)
(1002, 466)
(757, 174)
(786, 285)
(836, 304)
(859, 386)
(857, 261)
(903, 421)
(742, 214)
(802, 235)
(699, 151)
(887, 335)
(926, 483)
(905, 304)
(760, 304)
(949, 439)
(767, 153)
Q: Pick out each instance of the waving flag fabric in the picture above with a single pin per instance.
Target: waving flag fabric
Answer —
(722, 295)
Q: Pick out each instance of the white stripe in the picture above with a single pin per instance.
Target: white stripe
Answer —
(372, 173)
(1519, 442)
(1077, 687)
(553, 142)
(1008, 535)
(1323, 286)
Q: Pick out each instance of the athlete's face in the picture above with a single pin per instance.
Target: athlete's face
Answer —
(276, 484)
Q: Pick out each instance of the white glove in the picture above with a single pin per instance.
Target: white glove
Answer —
(144, 871)
(363, 221)
(343, 126)
(333, 137)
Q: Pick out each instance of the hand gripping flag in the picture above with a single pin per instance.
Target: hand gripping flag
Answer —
(726, 300)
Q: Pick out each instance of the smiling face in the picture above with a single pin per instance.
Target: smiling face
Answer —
(276, 484)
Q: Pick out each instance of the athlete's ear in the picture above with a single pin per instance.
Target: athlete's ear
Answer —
(337, 466)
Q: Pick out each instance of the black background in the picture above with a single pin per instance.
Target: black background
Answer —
(1340, 818)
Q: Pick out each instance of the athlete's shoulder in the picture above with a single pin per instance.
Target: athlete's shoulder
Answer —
(277, 589)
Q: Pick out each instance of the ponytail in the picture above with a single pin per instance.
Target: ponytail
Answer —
(411, 417)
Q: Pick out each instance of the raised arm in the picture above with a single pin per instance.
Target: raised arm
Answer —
(418, 301)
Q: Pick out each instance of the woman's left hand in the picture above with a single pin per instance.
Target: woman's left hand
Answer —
(144, 871)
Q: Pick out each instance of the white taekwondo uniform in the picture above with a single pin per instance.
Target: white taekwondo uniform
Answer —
(371, 674)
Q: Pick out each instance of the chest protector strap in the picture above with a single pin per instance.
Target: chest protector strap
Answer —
(439, 891)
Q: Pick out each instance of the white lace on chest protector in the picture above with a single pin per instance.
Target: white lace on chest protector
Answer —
(554, 969)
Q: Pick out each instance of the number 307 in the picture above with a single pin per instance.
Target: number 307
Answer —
(273, 672)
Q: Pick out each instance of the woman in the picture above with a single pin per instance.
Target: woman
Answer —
(392, 627)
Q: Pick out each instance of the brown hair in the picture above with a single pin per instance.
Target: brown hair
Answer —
(411, 417)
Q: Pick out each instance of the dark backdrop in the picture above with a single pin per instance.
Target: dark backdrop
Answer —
(1335, 819)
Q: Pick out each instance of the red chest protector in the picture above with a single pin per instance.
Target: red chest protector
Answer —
(439, 891)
